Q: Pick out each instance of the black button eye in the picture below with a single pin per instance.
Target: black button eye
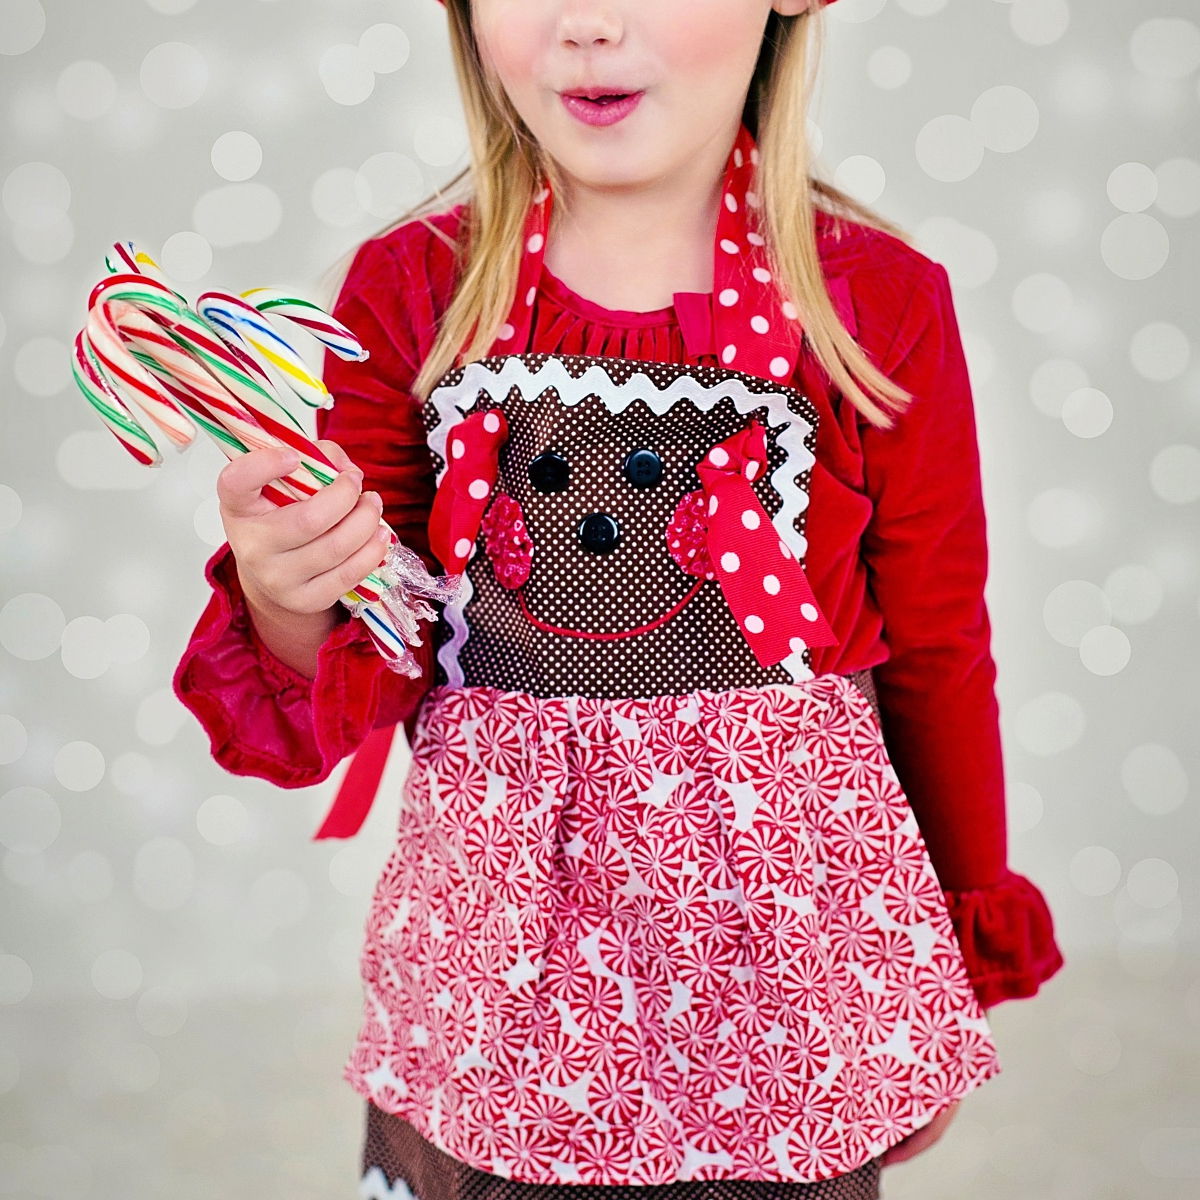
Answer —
(643, 468)
(549, 472)
(599, 533)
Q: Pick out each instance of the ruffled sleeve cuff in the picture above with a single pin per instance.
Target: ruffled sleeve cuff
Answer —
(1007, 938)
(264, 718)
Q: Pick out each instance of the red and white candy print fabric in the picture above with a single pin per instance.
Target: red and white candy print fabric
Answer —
(659, 939)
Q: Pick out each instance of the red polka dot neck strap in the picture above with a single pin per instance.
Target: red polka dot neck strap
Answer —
(755, 329)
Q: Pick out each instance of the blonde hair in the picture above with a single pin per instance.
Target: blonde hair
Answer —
(507, 165)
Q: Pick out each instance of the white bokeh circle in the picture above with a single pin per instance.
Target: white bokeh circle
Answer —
(1095, 870)
(1132, 187)
(949, 148)
(1050, 723)
(1105, 650)
(86, 90)
(186, 256)
(85, 648)
(1134, 246)
(1042, 302)
(1087, 412)
(334, 197)
(1134, 592)
(236, 156)
(388, 183)
(1154, 779)
(1177, 191)
(384, 47)
(14, 738)
(31, 626)
(1006, 118)
(1052, 382)
(1060, 517)
(22, 26)
(440, 140)
(889, 67)
(79, 766)
(1165, 47)
(30, 820)
(1160, 351)
(174, 75)
(862, 176)
(1072, 609)
(1175, 474)
(1039, 22)
(36, 194)
(346, 74)
(223, 820)
(117, 973)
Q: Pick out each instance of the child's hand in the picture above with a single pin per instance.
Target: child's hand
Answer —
(299, 559)
(920, 1139)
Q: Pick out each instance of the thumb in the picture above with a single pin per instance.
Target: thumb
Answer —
(241, 481)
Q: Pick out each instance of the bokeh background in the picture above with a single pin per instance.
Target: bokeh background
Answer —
(178, 975)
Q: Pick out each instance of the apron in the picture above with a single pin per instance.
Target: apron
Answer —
(656, 912)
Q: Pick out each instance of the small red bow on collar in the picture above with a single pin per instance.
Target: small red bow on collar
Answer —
(754, 329)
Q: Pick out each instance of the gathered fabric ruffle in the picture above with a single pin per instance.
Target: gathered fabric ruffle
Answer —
(639, 941)
(264, 718)
(1007, 938)
(567, 323)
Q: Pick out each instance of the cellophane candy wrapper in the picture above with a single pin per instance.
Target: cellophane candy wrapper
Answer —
(410, 587)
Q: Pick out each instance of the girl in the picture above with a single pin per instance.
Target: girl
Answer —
(699, 881)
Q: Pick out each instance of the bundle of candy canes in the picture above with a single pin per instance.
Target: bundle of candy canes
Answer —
(223, 366)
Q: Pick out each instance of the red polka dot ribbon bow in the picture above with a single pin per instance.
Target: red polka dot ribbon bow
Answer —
(756, 330)
(472, 456)
(764, 585)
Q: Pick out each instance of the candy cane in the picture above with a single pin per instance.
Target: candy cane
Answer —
(146, 351)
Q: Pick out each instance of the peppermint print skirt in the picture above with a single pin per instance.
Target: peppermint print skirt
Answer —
(661, 940)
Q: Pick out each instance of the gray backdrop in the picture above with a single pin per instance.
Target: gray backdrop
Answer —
(178, 958)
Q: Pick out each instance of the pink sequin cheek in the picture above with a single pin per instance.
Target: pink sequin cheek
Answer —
(687, 536)
(507, 541)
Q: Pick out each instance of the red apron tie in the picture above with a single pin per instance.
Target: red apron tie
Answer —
(764, 585)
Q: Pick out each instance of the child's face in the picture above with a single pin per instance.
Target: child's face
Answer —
(689, 61)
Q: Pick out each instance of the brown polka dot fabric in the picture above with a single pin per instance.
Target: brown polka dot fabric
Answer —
(398, 1164)
(593, 425)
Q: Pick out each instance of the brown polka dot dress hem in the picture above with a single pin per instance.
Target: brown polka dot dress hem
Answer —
(399, 1164)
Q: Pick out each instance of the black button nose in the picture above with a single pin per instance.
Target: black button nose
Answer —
(599, 533)
(643, 468)
(549, 472)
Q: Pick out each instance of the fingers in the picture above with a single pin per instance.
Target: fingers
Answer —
(921, 1139)
(302, 523)
(342, 538)
(336, 454)
(241, 481)
(324, 589)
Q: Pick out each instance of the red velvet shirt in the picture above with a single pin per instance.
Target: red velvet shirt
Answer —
(897, 554)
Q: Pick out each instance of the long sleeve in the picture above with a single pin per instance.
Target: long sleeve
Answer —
(926, 554)
(262, 717)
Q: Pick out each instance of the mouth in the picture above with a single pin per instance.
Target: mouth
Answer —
(615, 636)
(601, 105)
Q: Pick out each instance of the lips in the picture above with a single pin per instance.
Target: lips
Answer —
(600, 106)
(603, 95)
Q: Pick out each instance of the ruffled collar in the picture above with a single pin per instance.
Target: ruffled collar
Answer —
(744, 322)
